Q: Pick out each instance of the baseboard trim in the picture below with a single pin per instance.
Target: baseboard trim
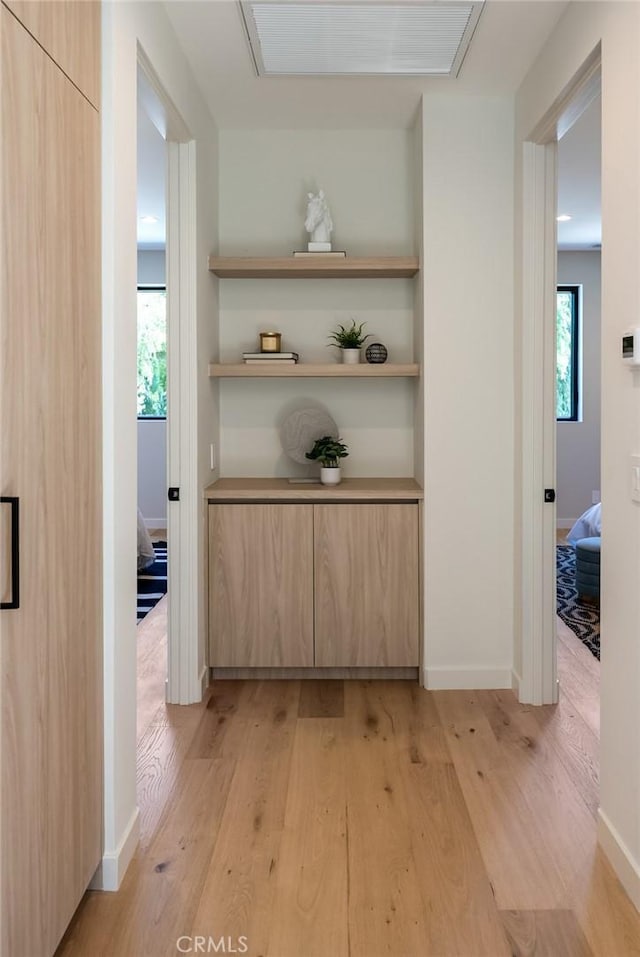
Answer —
(301, 674)
(564, 524)
(156, 523)
(113, 866)
(516, 681)
(620, 857)
(467, 679)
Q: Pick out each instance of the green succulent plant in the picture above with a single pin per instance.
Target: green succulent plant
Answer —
(349, 338)
(328, 451)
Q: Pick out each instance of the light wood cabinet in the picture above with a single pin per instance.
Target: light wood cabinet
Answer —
(69, 30)
(366, 585)
(260, 585)
(325, 585)
(50, 458)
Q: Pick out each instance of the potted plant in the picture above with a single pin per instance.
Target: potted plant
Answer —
(328, 452)
(350, 341)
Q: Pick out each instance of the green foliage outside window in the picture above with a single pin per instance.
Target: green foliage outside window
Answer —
(152, 352)
(566, 346)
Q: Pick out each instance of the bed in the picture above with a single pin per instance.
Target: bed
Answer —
(589, 525)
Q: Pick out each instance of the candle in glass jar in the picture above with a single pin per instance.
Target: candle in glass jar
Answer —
(270, 341)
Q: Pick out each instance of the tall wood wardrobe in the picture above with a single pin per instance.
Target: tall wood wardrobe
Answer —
(50, 469)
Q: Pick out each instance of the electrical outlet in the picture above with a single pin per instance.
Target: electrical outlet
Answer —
(212, 456)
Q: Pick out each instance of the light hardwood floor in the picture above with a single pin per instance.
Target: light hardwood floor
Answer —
(329, 818)
(151, 637)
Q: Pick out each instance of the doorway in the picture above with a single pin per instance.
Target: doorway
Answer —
(152, 576)
(578, 404)
(538, 680)
(578, 388)
(183, 684)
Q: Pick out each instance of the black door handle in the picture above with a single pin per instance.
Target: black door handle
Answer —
(14, 502)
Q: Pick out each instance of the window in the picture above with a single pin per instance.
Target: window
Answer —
(567, 345)
(152, 352)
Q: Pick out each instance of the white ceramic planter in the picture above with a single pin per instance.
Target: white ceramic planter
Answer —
(330, 476)
(350, 356)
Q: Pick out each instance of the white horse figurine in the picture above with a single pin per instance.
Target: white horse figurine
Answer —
(318, 222)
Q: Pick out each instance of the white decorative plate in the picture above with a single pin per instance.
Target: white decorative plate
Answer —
(301, 428)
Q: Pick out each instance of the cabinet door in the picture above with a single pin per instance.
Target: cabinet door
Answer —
(50, 420)
(260, 586)
(366, 585)
(69, 31)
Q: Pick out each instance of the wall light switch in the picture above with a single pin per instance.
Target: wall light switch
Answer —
(635, 478)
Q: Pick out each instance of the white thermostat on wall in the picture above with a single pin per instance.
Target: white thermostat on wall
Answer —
(631, 348)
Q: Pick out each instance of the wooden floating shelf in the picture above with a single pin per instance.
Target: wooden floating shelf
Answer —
(376, 267)
(303, 370)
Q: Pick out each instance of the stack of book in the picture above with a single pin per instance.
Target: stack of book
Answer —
(330, 254)
(270, 358)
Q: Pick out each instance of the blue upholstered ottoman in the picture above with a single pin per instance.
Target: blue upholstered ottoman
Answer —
(588, 567)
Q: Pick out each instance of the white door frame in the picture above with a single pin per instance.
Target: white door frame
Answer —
(538, 680)
(184, 685)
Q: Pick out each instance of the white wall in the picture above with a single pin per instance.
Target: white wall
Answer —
(152, 471)
(578, 443)
(124, 26)
(265, 176)
(152, 433)
(468, 382)
(617, 27)
(368, 179)
(151, 267)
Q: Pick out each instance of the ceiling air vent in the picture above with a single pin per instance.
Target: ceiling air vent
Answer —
(359, 39)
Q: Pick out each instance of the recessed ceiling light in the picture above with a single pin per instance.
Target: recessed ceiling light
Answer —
(149, 220)
(370, 38)
(563, 218)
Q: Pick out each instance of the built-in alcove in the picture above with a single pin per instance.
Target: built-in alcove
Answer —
(368, 177)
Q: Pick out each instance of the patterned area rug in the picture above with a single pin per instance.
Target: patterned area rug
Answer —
(152, 582)
(582, 617)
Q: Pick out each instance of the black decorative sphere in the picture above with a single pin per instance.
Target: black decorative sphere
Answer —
(376, 353)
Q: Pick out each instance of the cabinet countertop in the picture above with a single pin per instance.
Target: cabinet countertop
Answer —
(280, 489)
